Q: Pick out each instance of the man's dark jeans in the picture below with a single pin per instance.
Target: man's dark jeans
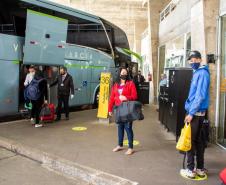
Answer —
(63, 100)
(198, 144)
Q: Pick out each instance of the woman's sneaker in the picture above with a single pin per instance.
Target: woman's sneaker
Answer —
(187, 173)
(201, 173)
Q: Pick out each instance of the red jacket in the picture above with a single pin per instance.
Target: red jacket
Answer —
(129, 91)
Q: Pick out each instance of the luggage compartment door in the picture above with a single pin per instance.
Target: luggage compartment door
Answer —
(9, 78)
(45, 39)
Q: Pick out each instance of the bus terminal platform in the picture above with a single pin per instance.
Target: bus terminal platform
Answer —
(86, 152)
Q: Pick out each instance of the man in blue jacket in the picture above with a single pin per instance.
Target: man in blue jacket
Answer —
(196, 106)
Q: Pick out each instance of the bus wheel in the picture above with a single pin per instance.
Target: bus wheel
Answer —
(96, 101)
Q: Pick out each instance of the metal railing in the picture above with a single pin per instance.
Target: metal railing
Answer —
(7, 28)
(86, 27)
(168, 9)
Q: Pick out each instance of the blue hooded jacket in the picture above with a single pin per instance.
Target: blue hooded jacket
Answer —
(198, 98)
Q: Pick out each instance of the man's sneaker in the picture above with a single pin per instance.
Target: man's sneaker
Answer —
(201, 173)
(38, 125)
(187, 173)
(32, 121)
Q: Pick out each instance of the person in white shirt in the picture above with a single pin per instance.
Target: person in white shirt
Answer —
(29, 76)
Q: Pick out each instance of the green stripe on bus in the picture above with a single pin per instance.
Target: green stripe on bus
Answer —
(81, 66)
(16, 62)
(46, 15)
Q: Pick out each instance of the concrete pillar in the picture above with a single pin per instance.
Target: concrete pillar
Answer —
(139, 27)
(203, 38)
(154, 9)
(197, 28)
(211, 11)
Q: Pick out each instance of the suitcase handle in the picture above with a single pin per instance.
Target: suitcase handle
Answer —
(48, 91)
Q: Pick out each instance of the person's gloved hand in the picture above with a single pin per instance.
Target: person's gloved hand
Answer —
(72, 96)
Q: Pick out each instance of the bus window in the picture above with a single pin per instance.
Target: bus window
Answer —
(12, 18)
(6, 20)
(89, 34)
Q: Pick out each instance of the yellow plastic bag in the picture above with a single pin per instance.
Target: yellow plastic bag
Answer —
(184, 142)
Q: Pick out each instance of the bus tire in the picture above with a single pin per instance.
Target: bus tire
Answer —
(96, 100)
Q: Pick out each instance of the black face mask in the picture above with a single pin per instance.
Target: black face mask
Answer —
(123, 77)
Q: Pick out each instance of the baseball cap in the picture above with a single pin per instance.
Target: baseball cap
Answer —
(194, 54)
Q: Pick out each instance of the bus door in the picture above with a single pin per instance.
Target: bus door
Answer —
(10, 55)
(81, 73)
(45, 39)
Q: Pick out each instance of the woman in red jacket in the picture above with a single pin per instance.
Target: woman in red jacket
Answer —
(123, 90)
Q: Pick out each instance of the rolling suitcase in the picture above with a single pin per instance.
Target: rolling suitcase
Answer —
(47, 113)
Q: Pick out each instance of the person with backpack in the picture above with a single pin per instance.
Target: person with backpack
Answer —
(27, 81)
(123, 90)
(196, 106)
(30, 75)
(36, 92)
(65, 88)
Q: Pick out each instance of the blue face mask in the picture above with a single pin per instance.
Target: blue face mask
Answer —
(195, 66)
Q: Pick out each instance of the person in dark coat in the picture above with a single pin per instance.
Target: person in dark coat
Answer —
(37, 104)
(139, 78)
(64, 90)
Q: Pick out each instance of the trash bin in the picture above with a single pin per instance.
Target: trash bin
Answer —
(179, 85)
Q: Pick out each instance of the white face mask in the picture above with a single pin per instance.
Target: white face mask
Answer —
(32, 74)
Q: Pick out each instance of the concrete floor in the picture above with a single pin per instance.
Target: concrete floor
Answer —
(18, 170)
(156, 161)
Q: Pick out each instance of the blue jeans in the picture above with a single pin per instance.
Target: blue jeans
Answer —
(129, 130)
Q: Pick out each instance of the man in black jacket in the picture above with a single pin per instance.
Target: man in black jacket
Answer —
(65, 88)
(139, 78)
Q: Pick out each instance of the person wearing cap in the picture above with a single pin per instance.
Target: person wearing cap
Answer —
(196, 107)
(64, 90)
